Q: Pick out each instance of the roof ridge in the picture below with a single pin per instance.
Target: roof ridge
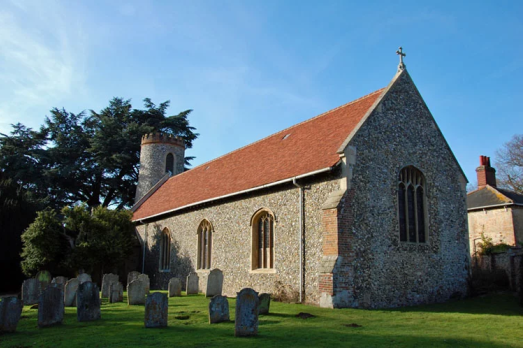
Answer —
(283, 130)
(498, 192)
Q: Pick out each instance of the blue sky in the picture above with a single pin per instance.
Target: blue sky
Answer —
(251, 68)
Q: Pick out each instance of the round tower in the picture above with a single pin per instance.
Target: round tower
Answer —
(159, 154)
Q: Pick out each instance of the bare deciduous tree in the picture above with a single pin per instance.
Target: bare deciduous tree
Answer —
(509, 164)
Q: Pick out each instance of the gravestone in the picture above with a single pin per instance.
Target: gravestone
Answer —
(214, 283)
(70, 292)
(10, 312)
(44, 278)
(107, 281)
(145, 279)
(116, 293)
(51, 307)
(84, 277)
(192, 284)
(247, 302)
(30, 291)
(59, 280)
(132, 276)
(265, 303)
(218, 309)
(136, 293)
(175, 287)
(156, 308)
(88, 302)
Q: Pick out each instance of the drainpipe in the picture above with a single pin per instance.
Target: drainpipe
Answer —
(144, 247)
(301, 242)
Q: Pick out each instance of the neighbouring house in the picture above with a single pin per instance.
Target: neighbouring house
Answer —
(493, 212)
(361, 206)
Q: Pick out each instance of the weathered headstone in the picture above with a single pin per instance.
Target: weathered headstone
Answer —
(247, 302)
(265, 303)
(44, 278)
(107, 281)
(51, 307)
(70, 292)
(156, 308)
(136, 293)
(218, 309)
(88, 302)
(116, 293)
(30, 291)
(59, 280)
(84, 277)
(214, 283)
(192, 284)
(145, 279)
(132, 276)
(175, 287)
(10, 311)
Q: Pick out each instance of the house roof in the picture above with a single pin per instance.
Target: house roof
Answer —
(490, 196)
(301, 149)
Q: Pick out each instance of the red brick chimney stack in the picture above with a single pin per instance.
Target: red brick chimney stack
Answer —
(486, 174)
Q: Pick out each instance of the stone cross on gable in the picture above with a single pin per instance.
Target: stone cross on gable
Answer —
(399, 52)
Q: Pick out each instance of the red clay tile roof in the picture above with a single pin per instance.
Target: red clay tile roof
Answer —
(311, 145)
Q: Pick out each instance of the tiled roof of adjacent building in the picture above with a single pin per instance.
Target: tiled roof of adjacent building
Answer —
(489, 196)
(303, 148)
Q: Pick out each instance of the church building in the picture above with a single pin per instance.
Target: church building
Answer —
(362, 206)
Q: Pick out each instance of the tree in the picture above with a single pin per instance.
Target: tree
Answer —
(509, 164)
(88, 158)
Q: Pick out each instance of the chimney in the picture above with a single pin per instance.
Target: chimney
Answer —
(486, 174)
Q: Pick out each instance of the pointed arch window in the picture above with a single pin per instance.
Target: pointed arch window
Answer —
(165, 250)
(412, 206)
(205, 231)
(169, 163)
(263, 240)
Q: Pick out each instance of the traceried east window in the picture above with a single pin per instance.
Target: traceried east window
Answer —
(411, 206)
(165, 250)
(204, 245)
(263, 241)
(169, 163)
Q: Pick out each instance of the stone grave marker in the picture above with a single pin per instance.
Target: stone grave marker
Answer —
(30, 291)
(156, 308)
(84, 277)
(136, 293)
(265, 303)
(116, 293)
(218, 309)
(44, 278)
(145, 279)
(214, 283)
(10, 312)
(132, 276)
(192, 284)
(51, 307)
(59, 280)
(247, 302)
(70, 292)
(88, 302)
(175, 287)
(107, 281)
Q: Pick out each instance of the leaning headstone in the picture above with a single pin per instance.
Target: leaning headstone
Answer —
(136, 293)
(59, 280)
(214, 283)
(145, 279)
(44, 278)
(30, 291)
(116, 293)
(247, 302)
(107, 281)
(192, 284)
(10, 311)
(218, 309)
(156, 310)
(175, 287)
(70, 292)
(88, 302)
(51, 307)
(84, 277)
(132, 276)
(265, 303)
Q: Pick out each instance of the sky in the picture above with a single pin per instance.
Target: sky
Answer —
(250, 68)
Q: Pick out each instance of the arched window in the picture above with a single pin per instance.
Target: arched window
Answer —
(165, 250)
(204, 245)
(263, 240)
(169, 163)
(411, 206)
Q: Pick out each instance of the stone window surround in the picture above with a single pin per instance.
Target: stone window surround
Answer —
(204, 226)
(254, 241)
(165, 260)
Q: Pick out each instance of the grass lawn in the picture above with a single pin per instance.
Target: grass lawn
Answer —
(491, 321)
